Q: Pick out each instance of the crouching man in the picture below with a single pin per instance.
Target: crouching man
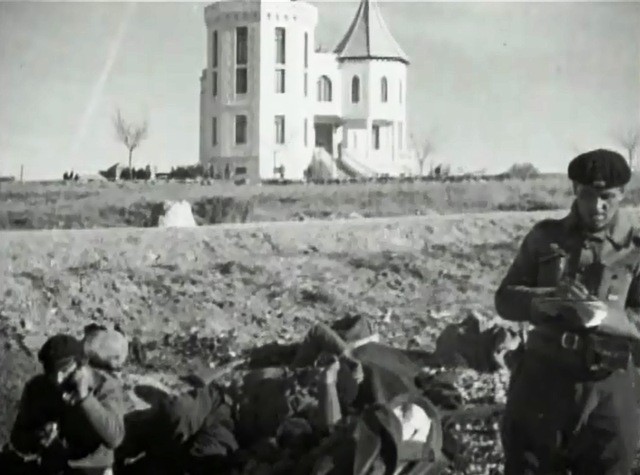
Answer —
(70, 418)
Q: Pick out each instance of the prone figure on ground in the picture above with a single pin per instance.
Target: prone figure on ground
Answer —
(70, 418)
(299, 419)
(572, 396)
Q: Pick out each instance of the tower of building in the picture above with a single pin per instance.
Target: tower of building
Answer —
(256, 105)
(374, 76)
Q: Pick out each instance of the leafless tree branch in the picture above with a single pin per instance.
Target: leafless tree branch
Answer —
(630, 140)
(422, 151)
(130, 134)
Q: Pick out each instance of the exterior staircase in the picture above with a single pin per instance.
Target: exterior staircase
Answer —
(321, 155)
(346, 166)
(353, 168)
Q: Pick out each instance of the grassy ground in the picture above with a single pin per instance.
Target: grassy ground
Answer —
(91, 205)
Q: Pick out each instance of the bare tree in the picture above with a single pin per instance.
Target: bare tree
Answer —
(630, 140)
(422, 152)
(130, 134)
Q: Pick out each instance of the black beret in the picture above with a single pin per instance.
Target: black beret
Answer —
(600, 168)
(58, 348)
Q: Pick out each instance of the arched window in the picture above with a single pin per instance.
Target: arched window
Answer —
(355, 89)
(384, 89)
(324, 89)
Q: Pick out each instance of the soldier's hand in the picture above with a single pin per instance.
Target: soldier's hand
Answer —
(352, 366)
(329, 364)
(572, 289)
(78, 386)
(47, 434)
(330, 372)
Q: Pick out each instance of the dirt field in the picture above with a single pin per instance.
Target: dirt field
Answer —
(240, 285)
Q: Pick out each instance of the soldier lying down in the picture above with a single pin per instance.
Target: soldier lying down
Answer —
(336, 409)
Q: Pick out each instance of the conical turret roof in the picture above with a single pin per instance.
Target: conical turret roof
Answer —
(368, 37)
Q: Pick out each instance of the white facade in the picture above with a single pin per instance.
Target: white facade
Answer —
(270, 102)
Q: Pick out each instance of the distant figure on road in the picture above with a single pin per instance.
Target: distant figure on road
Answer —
(572, 397)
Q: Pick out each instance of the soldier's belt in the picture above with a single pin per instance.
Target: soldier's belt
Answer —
(590, 351)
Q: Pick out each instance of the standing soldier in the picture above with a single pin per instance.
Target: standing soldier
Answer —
(572, 398)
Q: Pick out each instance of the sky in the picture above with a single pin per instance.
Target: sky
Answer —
(490, 84)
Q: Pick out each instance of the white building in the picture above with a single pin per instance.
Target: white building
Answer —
(271, 102)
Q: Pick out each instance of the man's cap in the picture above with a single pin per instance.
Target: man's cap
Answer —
(59, 349)
(600, 169)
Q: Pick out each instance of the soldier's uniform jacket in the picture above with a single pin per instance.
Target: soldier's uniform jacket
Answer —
(266, 398)
(90, 430)
(607, 262)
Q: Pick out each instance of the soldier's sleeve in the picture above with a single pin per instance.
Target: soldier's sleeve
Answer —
(632, 304)
(185, 415)
(30, 419)
(105, 413)
(328, 410)
(518, 288)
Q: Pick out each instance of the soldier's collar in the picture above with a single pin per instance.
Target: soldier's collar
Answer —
(619, 231)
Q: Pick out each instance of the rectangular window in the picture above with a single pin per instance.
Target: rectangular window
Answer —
(241, 129)
(280, 45)
(242, 45)
(280, 81)
(376, 137)
(306, 50)
(214, 131)
(279, 129)
(241, 81)
(241, 171)
(306, 84)
(400, 135)
(214, 50)
(214, 83)
(305, 132)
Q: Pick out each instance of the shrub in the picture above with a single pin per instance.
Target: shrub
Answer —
(190, 172)
(523, 171)
(222, 209)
